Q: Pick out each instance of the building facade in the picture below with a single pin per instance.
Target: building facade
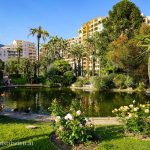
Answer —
(86, 30)
(10, 51)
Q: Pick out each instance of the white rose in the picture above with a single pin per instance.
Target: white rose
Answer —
(80, 125)
(130, 115)
(78, 112)
(115, 110)
(134, 101)
(57, 118)
(69, 116)
(136, 109)
(131, 106)
(146, 111)
(87, 120)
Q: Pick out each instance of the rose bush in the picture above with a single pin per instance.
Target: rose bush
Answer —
(136, 118)
(72, 128)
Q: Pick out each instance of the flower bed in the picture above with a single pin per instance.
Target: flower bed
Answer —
(135, 117)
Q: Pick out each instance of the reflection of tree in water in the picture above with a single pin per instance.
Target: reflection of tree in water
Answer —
(92, 103)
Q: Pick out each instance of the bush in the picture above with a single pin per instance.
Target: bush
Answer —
(18, 81)
(79, 82)
(69, 78)
(72, 128)
(135, 118)
(122, 81)
(60, 73)
(103, 83)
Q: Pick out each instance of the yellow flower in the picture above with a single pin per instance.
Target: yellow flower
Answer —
(146, 111)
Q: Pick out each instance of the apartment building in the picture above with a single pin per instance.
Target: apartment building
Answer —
(90, 27)
(28, 49)
(86, 30)
(147, 20)
(10, 51)
(6, 52)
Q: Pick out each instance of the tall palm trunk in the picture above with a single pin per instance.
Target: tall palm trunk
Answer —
(38, 40)
(93, 63)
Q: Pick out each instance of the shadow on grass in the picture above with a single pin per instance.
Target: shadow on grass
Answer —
(107, 133)
(6, 120)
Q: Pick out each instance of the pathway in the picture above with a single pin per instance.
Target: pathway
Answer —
(47, 118)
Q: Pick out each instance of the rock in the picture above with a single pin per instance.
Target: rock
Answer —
(31, 127)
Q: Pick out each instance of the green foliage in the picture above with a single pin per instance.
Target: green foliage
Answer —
(125, 17)
(60, 73)
(69, 78)
(103, 83)
(122, 81)
(135, 118)
(72, 128)
(18, 81)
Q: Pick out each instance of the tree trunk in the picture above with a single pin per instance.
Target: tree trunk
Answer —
(149, 69)
(79, 67)
(93, 65)
(38, 40)
(75, 67)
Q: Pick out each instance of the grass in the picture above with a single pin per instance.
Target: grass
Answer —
(111, 137)
(14, 130)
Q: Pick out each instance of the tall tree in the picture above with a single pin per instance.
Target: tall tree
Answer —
(39, 32)
(19, 50)
(77, 51)
(145, 42)
(125, 17)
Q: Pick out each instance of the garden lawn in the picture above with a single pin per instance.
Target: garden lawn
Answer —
(111, 137)
(14, 130)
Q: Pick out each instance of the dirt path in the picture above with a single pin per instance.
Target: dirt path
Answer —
(47, 118)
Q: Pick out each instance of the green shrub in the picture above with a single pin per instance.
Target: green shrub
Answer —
(141, 86)
(135, 118)
(18, 81)
(69, 78)
(103, 83)
(79, 82)
(60, 73)
(72, 127)
(122, 81)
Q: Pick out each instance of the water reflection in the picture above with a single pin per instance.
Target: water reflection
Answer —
(91, 103)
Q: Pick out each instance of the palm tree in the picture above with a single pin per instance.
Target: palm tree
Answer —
(19, 50)
(39, 32)
(76, 51)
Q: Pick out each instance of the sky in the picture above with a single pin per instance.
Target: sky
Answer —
(59, 17)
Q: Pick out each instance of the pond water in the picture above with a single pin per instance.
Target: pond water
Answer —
(93, 104)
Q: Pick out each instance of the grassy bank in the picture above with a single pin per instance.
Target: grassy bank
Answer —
(111, 137)
(14, 130)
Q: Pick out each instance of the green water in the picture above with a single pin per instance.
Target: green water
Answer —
(91, 103)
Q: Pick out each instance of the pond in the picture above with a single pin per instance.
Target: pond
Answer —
(93, 104)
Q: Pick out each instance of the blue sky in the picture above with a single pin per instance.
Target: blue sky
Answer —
(58, 17)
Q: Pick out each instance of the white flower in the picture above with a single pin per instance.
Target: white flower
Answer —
(142, 105)
(133, 101)
(130, 115)
(136, 116)
(78, 112)
(57, 118)
(87, 120)
(136, 109)
(69, 116)
(61, 128)
(80, 125)
(146, 111)
(131, 106)
(115, 109)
